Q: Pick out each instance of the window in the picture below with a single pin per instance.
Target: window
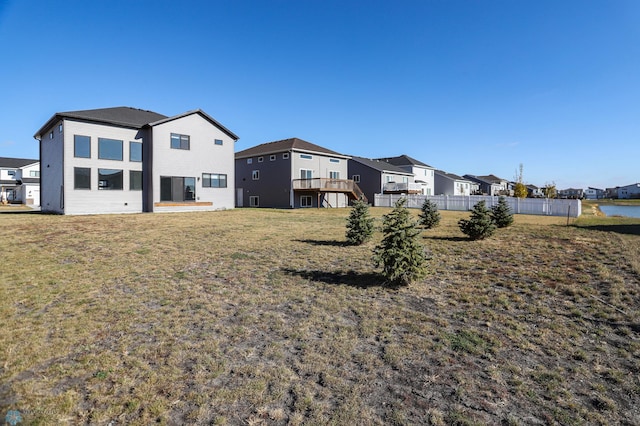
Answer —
(285, 156)
(334, 160)
(173, 188)
(218, 141)
(272, 157)
(11, 172)
(34, 173)
(109, 179)
(255, 175)
(260, 159)
(81, 146)
(60, 127)
(356, 178)
(214, 180)
(51, 135)
(135, 151)
(334, 175)
(306, 201)
(109, 149)
(306, 156)
(179, 141)
(254, 201)
(135, 180)
(81, 178)
(306, 174)
(249, 160)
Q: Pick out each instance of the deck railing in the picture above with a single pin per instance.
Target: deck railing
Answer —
(328, 185)
(402, 187)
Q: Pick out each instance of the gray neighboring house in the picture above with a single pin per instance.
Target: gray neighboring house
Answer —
(594, 193)
(450, 184)
(534, 191)
(128, 160)
(490, 184)
(423, 173)
(629, 191)
(380, 177)
(572, 193)
(293, 173)
(20, 181)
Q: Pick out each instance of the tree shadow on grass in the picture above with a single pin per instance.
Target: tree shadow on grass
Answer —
(426, 237)
(350, 278)
(630, 229)
(334, 243)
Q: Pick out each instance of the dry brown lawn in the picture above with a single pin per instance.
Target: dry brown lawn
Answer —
(267, 317)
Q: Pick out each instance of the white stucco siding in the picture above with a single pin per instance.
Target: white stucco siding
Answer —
(321, 165)
(94, 200)
(203, 156)
(51, 173)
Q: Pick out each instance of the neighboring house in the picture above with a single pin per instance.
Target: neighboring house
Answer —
(423, 173)
(594, 193)
(293, 173)
(450, 184)
(612, 192)
(629, 191)
(380, 177)
(574, 193)
(490, 184)
(534, 191)
(20, 181)
(127, 160)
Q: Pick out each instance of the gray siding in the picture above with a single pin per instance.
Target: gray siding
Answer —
(274, 185)
(370, 179)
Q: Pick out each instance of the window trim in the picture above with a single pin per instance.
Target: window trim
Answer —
(285, 155)
(272, 157)
(355, 178)
(249, 160)
(307, 198)
(181, 138)
(260, 159)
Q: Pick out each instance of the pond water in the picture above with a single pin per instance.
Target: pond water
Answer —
(629, 211)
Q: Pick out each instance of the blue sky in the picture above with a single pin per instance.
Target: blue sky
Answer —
(474, 86)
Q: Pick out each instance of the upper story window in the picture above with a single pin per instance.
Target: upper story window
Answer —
(249, 160)
(260, 159)
(109, 149)
(306, 156)
(218, 141)
(81, 146)
(306, 174)
(285, 156)
(135, 151)
(51, 135)
(356, 178)
(334, 160)
(255, 175)
(11, 172)
(60, 128)
(179, 141)
(214, 180)
(272, 157)
(334, 175)
(34, 173)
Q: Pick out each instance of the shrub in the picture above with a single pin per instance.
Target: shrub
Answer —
(359, 223)
(501, 213)
(480, 225)
(430, 216)
(402, 258)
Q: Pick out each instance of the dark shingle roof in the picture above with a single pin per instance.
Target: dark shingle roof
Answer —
(118, 116)
(292, 144)
(450, 175)
(381, 166)
(15, 163)
(404, 160)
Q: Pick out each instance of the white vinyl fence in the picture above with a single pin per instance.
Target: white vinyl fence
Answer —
(539, 206)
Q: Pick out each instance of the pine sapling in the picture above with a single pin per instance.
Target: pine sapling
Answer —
(480, 225)
(359, 223)
(501, 213)
(430, 216)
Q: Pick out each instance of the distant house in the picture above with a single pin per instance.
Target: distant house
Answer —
(575, 193)
(126, 160)
(594, 193)
(423, 173)
(20, 181)
(629, 191)
(450, 184)
(534, 191)
(380, 177)
(612, 192)
(490, 184)
(293, 173)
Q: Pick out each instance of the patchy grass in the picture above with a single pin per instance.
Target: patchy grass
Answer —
(268, 317)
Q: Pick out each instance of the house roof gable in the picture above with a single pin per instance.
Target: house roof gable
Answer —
(16, 163)
(129, 117)
(285, 145)
(202, 114)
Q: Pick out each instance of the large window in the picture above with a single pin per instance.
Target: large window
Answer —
(255, 175)
(135, 180)
(109, 179)
(135, 151)
(214, 180)
(81, 146)
(179, 141)
(306, 201)
(334, 175)
(109, 149)
(173, 188)
(306, 174)
(254, 201)
(81, 178)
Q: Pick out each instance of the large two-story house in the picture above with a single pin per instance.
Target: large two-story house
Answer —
(381, 177)
(20, 181)
(451, 184)
(423, 173)
(293, 173)
(127, 160)
(490, 184)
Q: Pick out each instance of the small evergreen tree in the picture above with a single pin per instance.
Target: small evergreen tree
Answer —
(480, 225)
(399, 253)
(359, 223)
(501, 213)
(430, 216)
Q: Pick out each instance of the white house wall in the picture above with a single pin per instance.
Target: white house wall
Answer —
(203, 156)
(94, 201)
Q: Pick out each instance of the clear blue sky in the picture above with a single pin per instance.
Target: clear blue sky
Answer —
(474, 86)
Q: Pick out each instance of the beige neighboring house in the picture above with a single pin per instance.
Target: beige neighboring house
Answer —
(20, 181)
(128, 160)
